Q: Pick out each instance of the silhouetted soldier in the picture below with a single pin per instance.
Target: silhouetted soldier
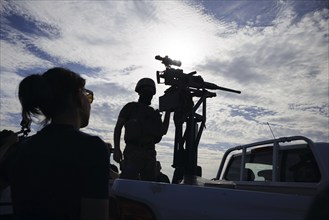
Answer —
(143, 129)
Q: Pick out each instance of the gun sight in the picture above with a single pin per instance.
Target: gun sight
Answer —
(168, 62)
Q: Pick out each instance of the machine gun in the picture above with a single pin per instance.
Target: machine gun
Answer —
(179, 99)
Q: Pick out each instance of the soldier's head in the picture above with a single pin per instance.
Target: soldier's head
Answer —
(146, 89)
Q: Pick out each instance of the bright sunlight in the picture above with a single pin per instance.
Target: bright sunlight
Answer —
(182, 45)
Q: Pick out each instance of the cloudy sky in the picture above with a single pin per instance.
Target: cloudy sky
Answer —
(274, 52)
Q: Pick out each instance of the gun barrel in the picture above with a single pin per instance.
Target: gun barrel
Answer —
(213, 86)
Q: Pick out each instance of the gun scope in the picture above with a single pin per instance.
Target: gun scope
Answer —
(168, 62)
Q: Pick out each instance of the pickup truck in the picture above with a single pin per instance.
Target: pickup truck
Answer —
(273, 179)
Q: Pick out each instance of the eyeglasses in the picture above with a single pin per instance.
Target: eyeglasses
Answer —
(89, 94)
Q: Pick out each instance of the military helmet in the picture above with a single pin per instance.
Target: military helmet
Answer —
(145, 82)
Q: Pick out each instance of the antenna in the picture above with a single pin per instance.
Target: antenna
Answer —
(271, 130)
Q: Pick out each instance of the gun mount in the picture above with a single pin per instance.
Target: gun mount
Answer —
(179, 99)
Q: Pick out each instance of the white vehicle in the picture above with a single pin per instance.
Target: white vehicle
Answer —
(274, 179)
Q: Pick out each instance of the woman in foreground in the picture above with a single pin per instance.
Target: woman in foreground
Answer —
(60, 172)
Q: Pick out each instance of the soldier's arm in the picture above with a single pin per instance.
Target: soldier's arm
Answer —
(165, 123)
(117, 155)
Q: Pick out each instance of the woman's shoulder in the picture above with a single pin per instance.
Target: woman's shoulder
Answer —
(89, 137)
(92, 144)
(63, 134)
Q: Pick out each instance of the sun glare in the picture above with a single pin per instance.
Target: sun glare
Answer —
(185, 47)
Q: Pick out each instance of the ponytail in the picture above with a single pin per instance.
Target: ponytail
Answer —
(35, 96)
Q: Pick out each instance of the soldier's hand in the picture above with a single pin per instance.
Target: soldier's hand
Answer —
(117, 155)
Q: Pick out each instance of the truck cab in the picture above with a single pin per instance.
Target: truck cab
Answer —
(292, 165)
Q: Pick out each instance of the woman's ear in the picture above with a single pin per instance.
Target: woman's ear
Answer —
(79, 98)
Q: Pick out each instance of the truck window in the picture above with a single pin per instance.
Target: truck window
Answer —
(296, 165)
(299, 165)
(260, 162)
(256, 164)
(232, 172)
(263, 172)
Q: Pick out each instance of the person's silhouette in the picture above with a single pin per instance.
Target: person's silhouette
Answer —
(143, 129)
(60, 172)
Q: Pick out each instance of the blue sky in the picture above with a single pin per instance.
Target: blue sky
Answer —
(275, 52)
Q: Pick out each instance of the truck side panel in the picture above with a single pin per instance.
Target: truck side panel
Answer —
(169, 201)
